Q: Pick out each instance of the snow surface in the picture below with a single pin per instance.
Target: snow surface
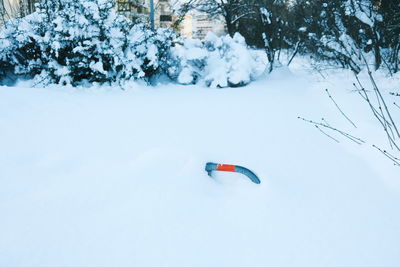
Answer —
(104, 177)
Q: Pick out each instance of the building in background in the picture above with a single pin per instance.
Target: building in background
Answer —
(8, 9)
(197, 25)
(134, 9)
(140, 10)
(164, 16)
(27, 6)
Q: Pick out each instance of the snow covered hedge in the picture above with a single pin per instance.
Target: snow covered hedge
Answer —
(73, 42)
(85, 41)
(219, 61)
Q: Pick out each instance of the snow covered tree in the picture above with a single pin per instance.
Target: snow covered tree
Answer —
(148, 53)
(341, 31)
(82, 41)
(19, 49)
(389, 30)
(68, 42)
(368, 26)
(231, 10)
(274, 28)
(324, 32)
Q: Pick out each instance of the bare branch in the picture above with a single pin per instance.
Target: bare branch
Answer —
(395, 160)
(356, 140)
(242, 16)
(296, 50)
(316, 126)
(381, 97)
(337, 106)
(382, 120)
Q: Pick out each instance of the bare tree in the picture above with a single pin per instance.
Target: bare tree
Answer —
(231, 10)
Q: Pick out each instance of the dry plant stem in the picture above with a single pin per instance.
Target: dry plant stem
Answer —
(334, 139)
(380, 114)
(380, 96)
(348, 136)
(382, 120)
(340, 110)
(395, 160)
(326, 122)
(385, 124)
(396, 105)
(366, 98)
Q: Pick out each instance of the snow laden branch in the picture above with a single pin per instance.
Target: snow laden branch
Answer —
(239, 17)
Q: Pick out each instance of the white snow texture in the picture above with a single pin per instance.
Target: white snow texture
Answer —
(116, 178)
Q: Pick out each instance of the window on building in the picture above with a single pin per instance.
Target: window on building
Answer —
(165, 18)
(123, 5)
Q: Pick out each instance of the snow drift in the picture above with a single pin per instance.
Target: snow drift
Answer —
(113, 178)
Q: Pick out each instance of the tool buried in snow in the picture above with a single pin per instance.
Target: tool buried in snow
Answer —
(210, 166)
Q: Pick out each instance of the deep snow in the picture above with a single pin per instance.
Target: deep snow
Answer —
(103, 177)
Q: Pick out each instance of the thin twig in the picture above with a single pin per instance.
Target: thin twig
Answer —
(340, 110)
(334, 139)
(326, 122)
(382, 120)
(395, 160)
(381, 97)
(366, 98)
(356, 140)
(344, 133)
(396, 105)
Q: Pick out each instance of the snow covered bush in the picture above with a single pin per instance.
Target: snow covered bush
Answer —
(192, 61)
(69, 42)
(6, 67)
(219, 61)
(148, 53)
(85, 40)
(82, 41)
(19, 49)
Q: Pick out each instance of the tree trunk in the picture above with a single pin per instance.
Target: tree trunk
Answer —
(377, 50)
(229, 25)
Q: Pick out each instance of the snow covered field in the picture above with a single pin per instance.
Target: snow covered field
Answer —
(102, 177)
